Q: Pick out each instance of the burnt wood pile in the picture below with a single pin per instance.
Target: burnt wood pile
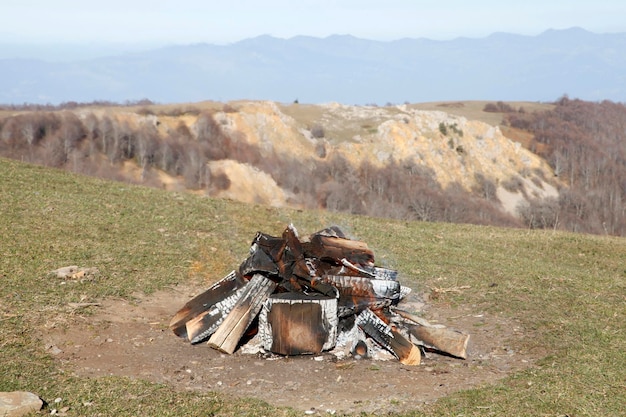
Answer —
(300, 295)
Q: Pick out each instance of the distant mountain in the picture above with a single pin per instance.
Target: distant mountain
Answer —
(342, 68)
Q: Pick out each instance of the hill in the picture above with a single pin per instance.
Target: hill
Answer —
(338, 68)
(395, 161)
(536, 165)
(543, 308)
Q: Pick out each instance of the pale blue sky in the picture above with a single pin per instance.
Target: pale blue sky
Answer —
(226, 21)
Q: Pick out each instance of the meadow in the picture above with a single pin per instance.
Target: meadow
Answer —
(567, 290)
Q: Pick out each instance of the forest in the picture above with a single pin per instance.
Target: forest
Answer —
(583, 142)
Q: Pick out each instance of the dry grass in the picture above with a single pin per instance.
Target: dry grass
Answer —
(473, 110)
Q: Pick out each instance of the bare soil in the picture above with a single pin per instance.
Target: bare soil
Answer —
(132, 339)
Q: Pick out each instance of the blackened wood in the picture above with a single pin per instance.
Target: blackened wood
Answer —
(305, 271)
(271, 245)
(335, 249)
(230, 331)
(304, 268)
(375, 328)
(290, 235)
(358, 293)
(203, 302)
(258, 262)
(294, 324)
(332, 231)
(389, 338)
(376, 272)
(204, 325)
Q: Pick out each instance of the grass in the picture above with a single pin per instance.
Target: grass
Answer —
(473, 110)
(567, 290)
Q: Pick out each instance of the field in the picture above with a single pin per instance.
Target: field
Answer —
(554, 302)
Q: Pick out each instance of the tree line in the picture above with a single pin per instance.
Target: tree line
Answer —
(99, 145)
(585, 144)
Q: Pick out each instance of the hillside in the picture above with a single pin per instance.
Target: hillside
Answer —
(542, 309)
(395, 161)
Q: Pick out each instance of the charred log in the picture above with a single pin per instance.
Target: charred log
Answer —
(295, 324)
(230, 331)
(204, 301)
(389, 338)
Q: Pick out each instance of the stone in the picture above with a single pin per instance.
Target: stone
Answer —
(18, 403)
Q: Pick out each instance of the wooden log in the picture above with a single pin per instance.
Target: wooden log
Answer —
(230, 331)
(444, 340)
(407, 352)
(368, 271)
(271, 245)
(295, 324)
(335, 249)
(258, 262)
(358, 293)
(206, 323)
(439, 338)
(201, 303)
(389, 338)
(304, 269)
(332, 231)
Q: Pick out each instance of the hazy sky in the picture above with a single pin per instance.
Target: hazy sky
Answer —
(225, 21)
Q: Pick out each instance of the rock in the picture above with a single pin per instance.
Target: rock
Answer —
(74, 272)
(18, 403)
(65, 271)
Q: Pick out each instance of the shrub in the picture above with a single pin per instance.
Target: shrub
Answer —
(317, 131)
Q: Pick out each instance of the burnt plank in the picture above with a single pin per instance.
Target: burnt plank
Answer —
(258, 262)
(230, 331)
(335, 249)
(294, 324)
(389, 338)
(358, 293)
(201, 303)
(205, 324)
(332, 231)
(272, 246)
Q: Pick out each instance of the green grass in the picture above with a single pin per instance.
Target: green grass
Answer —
(567, 290)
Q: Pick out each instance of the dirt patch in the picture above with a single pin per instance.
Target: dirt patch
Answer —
(132, 339)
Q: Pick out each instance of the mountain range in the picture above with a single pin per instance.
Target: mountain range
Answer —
(338, 68)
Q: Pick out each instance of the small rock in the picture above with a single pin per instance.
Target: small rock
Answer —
(54, 350)
(65, 271)
(74, 272)
(18, 403)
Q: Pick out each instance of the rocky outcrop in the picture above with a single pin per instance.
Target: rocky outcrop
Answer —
(455, 149)
(18, 403)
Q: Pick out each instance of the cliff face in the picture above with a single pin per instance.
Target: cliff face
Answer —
(454, 149)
